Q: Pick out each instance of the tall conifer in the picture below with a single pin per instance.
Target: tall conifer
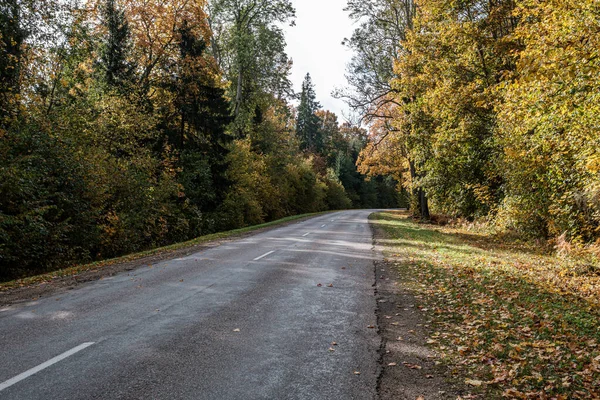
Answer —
(307, 124)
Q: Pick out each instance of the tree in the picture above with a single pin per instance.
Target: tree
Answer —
(379, 40)
(11, 40)
(307, 122)
(548, 122)
(114, 64)
(249, 46)
(155, 28)
(376, 43)
(203, 117)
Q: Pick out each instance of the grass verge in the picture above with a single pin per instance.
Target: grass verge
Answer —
(507, 319)
(78, 269)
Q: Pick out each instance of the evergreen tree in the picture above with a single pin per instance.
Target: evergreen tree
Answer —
(308, 124)
(11, 40)
(114, 66)
(205, 114)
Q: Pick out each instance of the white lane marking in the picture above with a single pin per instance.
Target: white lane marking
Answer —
(264, 255)
(42, 366)
(306, 234)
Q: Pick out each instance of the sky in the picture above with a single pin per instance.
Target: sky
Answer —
(315, 47)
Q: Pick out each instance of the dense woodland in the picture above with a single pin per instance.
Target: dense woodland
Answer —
(131, 124)
(485, 109)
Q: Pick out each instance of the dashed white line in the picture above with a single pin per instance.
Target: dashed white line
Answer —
(306, 234)
(264, 255)
(35, 370)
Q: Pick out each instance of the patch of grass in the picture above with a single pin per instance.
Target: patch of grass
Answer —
(504, 314)
(77, 269)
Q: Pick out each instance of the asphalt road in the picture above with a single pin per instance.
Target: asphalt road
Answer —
(243, 320)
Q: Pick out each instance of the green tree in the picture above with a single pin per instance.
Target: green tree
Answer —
(249, 46)
(307, 122)
(114, 63)
(12, 36)
(203, 117)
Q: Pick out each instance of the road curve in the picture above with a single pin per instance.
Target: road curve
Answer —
(243, 320)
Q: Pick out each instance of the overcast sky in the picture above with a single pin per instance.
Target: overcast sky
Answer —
(315, 46)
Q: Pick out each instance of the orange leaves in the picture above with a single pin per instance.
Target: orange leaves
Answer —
(155, 27)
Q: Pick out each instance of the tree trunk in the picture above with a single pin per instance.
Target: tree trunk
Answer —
(238, 96)
(419, 194)
(424, 203)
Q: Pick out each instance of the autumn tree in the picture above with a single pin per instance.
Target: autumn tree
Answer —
(548, 122)
(376, 43)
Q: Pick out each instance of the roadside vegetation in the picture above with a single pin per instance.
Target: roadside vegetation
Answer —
(128, 125)
(74, 271)
(507, 317)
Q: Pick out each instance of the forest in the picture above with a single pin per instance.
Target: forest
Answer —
(485, 110)
(131, 124)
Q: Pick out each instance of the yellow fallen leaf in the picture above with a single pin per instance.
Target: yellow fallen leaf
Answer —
(473, 382)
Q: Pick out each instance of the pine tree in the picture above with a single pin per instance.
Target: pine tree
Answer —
(114, 66)
(308, 123)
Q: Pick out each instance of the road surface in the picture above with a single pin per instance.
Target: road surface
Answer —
(243, 320)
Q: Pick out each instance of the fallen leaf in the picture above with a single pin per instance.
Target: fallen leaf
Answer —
(371, 327)
(412, 366)
(334, 343)
(356, 372)
(392, 364)
(236, 330)
(330, 285)
(473, 382)
(331, 349)
(319, 285)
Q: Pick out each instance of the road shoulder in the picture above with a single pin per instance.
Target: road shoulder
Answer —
(409, 368)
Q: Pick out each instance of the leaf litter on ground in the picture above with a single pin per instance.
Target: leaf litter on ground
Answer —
(506, 318)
